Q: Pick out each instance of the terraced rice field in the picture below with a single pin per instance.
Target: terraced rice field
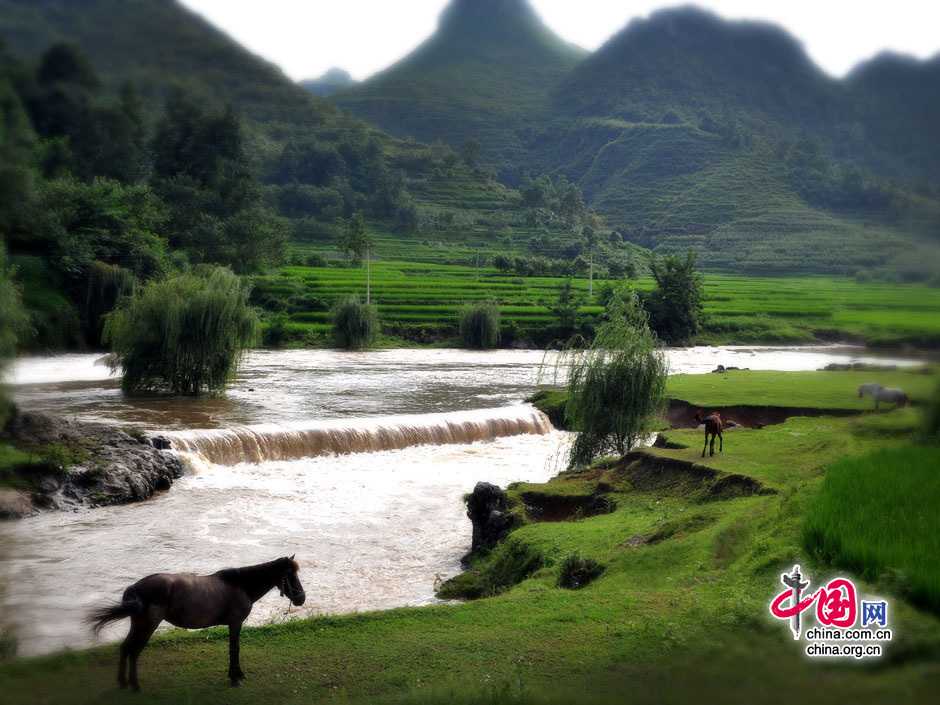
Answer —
(412, 297)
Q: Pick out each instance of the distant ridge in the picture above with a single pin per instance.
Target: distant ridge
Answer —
(485, 74)
(333, 80)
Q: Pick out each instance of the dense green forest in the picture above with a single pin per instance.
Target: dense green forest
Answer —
(109, 182)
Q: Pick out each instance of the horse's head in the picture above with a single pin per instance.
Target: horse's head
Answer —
(289, 585)
(698, 417)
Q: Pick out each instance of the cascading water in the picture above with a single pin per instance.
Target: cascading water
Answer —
(269, 443)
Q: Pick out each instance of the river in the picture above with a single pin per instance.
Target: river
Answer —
(356, 462)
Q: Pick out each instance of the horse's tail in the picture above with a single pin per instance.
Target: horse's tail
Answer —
(129, 606)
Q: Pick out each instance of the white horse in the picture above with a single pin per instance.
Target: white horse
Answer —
(891, 396)
(871, 389)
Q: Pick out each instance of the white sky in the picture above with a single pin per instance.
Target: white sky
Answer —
(306, 37)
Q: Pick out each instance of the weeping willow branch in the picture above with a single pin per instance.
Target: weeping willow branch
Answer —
(185, 334)
(616, 385)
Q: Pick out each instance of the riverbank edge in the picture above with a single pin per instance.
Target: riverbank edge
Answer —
(66, 464)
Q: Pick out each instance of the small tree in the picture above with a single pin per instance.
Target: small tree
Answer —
(355, 324)
(676, 304)
(616, 386)
(470, 153)
(185, 334)
(566, 310)
(357, 244)
(479, 325)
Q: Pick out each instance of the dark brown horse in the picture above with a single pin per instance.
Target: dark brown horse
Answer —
(713, 428)
(195, 602)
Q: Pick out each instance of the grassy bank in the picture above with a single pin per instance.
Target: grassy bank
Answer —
(679, 613)
(822, 390)
(421, 301)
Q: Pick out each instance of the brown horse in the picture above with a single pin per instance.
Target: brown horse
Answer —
(195, 602)
(713, 428)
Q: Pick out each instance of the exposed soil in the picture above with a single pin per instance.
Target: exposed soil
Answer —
(651, 473)
(545, 506)
(681, 414)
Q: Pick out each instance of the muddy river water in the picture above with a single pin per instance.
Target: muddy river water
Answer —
(356, 462)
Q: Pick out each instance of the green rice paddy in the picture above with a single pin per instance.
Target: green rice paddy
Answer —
(415, 298)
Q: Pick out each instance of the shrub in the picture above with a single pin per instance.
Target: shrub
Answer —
(355, 324)
(931, 428)
(184, 334)
(510, 563)
(479, 325)
(276, 333)
(576, 572)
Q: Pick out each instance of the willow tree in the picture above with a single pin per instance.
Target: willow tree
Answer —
(479, 325)
(616, 385)
(355, 324)
(184, 334)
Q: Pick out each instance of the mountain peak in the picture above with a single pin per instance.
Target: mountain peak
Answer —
(464, 14)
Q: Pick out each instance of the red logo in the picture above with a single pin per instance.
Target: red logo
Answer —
(836, 603)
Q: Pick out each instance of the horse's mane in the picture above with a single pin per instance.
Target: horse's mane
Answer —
(255, 573)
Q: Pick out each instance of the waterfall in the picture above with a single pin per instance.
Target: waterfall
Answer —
(269, 442)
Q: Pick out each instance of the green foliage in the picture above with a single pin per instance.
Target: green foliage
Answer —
(508, 564)
(202, 170)
(616, 386)
(876, 516)
(355, 324)
(576, 572)
(276, 333)
(12, 321)
(184, 334)
(356, 243)
(931, 423)
(565, 310)
(479, 325)
(675, 305)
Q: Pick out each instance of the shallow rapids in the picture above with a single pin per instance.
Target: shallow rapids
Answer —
(264, 444)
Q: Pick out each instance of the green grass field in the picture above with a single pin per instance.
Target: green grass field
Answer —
(877, 514)
(818, 390)
(424, 297)
(679, 613)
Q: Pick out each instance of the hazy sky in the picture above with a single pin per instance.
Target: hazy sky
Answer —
(306, 37)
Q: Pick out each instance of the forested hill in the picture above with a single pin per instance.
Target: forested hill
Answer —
(138, 140)
(484, 75)
(686, 130)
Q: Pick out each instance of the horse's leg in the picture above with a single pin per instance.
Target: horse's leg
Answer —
(711, 447)
(142, 628)
(704, 447)
(235, 673)
(122, 665)
(721, 443)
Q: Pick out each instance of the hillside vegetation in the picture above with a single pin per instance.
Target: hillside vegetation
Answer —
(685, 130)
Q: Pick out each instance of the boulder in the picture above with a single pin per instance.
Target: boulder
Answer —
(488, 509)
